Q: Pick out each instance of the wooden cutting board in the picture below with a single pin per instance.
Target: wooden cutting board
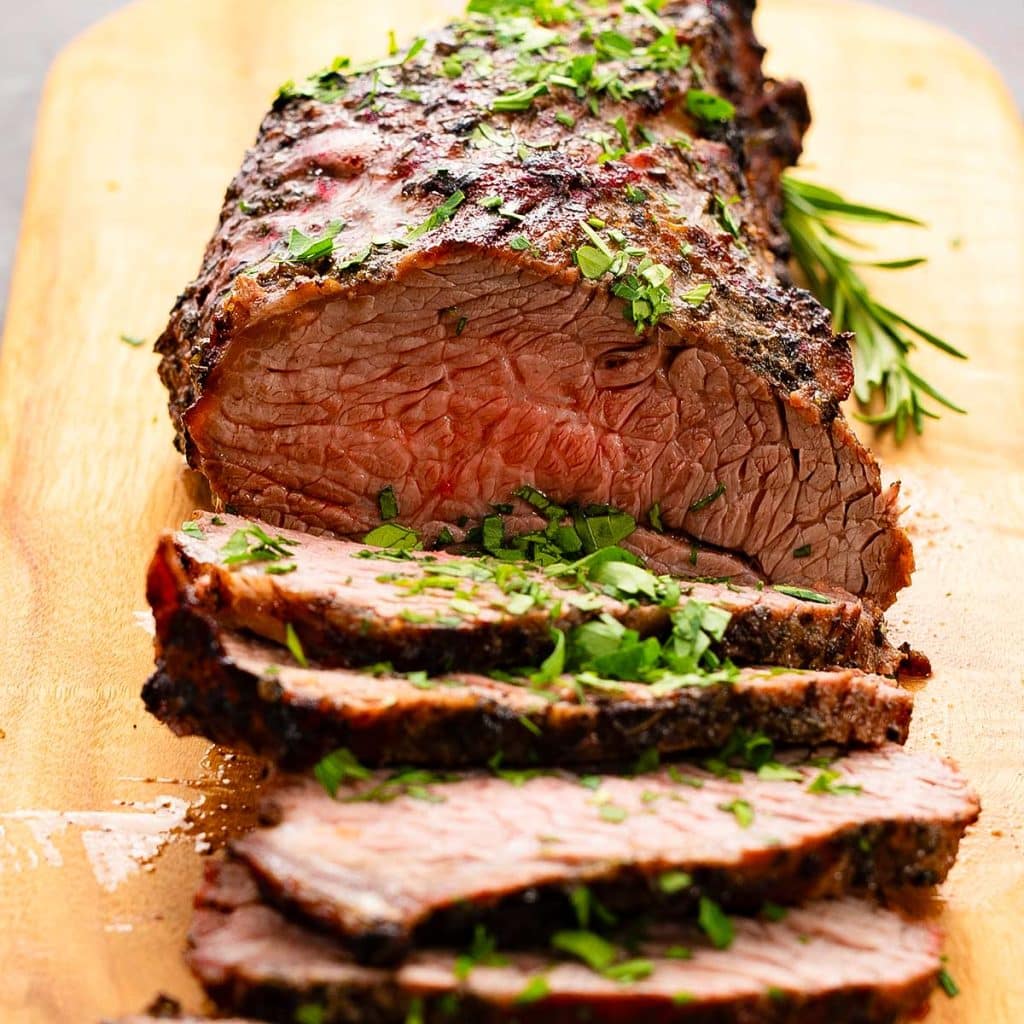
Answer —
(103, 814)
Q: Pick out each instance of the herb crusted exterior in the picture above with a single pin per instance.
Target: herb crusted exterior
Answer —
(401, 235)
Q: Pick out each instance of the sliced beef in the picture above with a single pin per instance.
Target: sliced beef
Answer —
(248, 693)
(828, 963)
(351, 604)
(447, 343)
(412, 855)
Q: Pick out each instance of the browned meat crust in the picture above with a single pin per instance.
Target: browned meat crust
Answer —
(869, 967)
(455, 365)
(426, 858)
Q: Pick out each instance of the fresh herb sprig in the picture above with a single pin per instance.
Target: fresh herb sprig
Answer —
(885, 338)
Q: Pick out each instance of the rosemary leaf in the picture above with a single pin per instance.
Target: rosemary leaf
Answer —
(889, 390)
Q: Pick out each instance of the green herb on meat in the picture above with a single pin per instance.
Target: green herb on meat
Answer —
(253, 544)
(292, 642)
(303, 248)
(708, 107)
(827, 782)
(702, 503)
(338, 767)
(802, 594)
(387, 502)
(394, 537)
(443, 213)
(715, 924)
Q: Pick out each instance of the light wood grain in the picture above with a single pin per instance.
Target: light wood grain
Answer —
(143, 122)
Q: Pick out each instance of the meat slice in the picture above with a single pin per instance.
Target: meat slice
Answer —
(248, 693)
(351, 604)
(828, 963)
(410, 855)
(557, 268)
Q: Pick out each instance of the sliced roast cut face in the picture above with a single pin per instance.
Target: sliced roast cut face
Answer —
(351, 604)
(245, 692)
(412, 856)
(844, 962)
(502, 309)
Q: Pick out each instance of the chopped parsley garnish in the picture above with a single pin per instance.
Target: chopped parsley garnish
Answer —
(674, 881)
(587, 907)
(646, 292)
(654, 518)
(726, 217)
(593, 263)
(394, 537)
(597, 953)
(695, 296)
(530, 725)
(565, 118)
(715, 924)
(253, 544)
(802, 552)
(291, 639)
(134, 342)
(304, 248)
(387, 502)
(773, 771)
(357, 259)
(338, 767)
(827, 781)
(702, 503)
(536, 988)
(452, 66)
(773, 912)
(519, 99)
(443, 213)
(554, 664)
(309, 1013)
(635, 194)
(193, 529)
(629, 971)
(600, 956)
(802, 593)
(482, 952)
(946, 982)
(602, 527)
(708, 107)
(612, 813)
(414, 1015)
(741, 810)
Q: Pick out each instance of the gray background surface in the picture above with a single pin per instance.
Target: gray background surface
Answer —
(32, 32)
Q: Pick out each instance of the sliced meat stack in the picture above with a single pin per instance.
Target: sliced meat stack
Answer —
(352, 604)
(220, 674)
(413, 854)
(575, 680)
(534, 254)
(833, 962)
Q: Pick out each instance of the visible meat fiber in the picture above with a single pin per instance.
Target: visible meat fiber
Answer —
(350, 605)
(445, 343)
(828, 963)
(401, 856)
(248, 693)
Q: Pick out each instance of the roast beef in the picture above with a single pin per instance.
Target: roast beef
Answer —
(248, 693)
(829, 963)
(411, 855)
(350, 604)
(557, 268)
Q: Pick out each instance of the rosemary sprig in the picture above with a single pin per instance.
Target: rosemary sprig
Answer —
(885, 338)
